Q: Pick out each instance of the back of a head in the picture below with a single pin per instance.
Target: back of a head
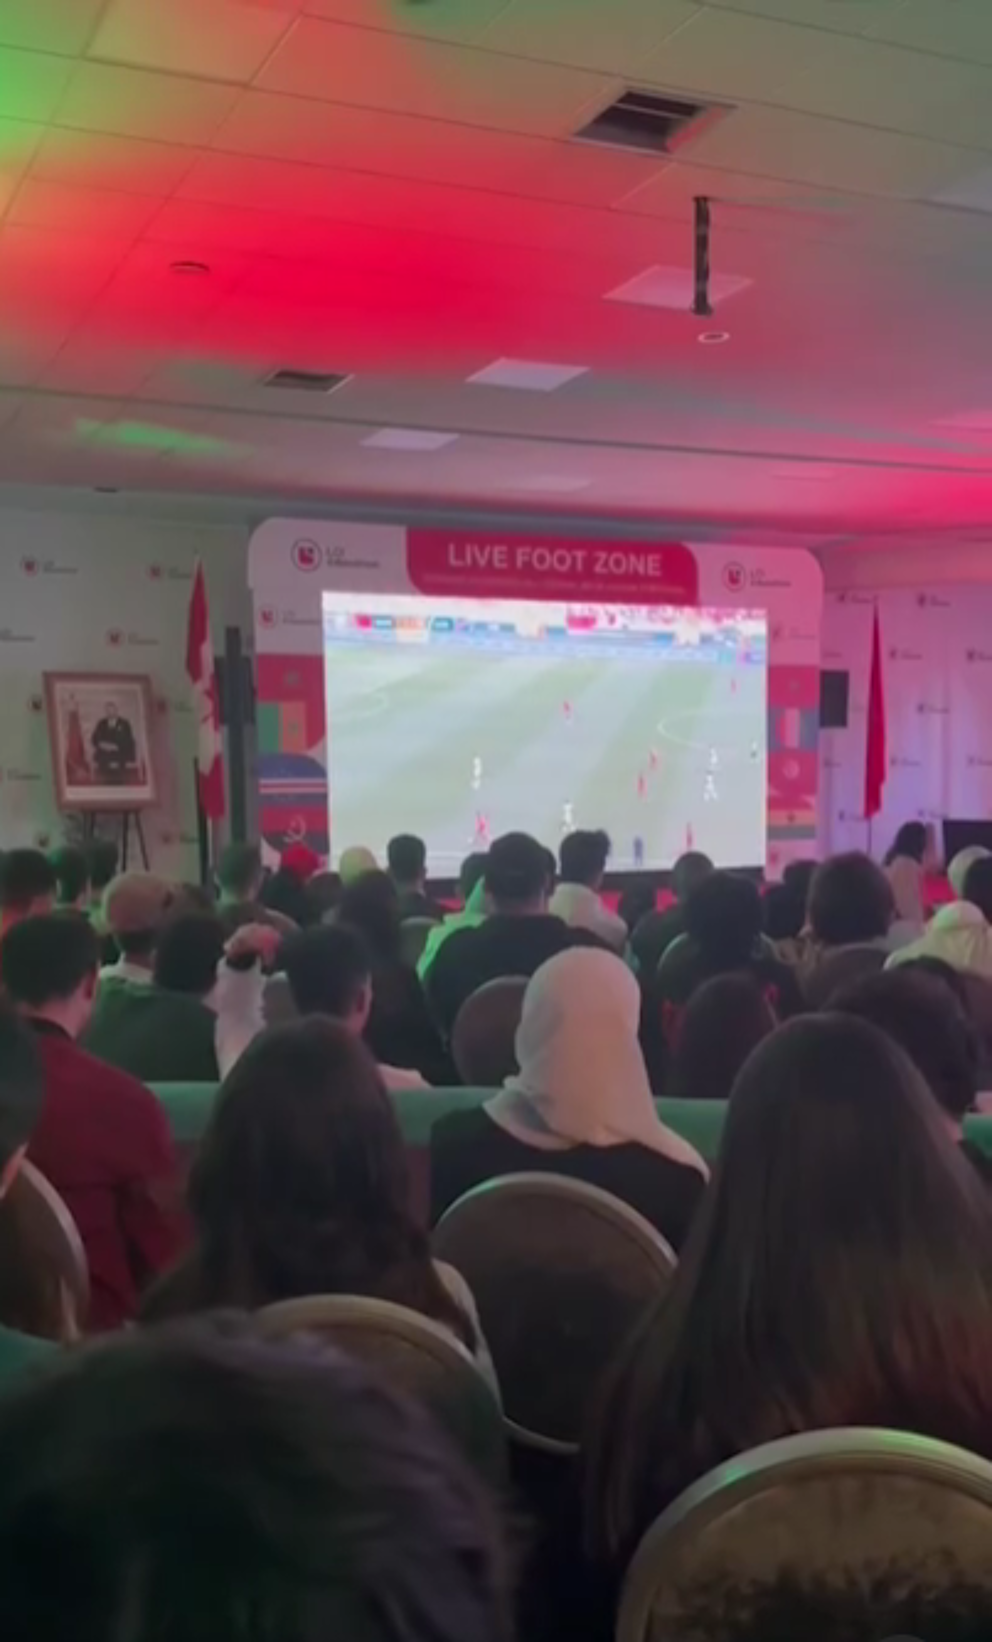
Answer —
(919, 1012)
(370, 904)
(324, 894)
(724, 1021)
(723, 918)
(471, 873)
(72, 874)
(102, 855)
(957, 870)
(135, 908)
(850, 901)
(287, 894)
(328, 969)
(583, 857)
(187, 955)
(797, 877)
(689, 870)
(637, 900)
(909, 843)
(21, 1089)
(198, 1481)
(239, 871)
(517, 873)
(978, 886)
(406, 857)
(47, 959)
(355, 861)
(27, 882)
(784, 913)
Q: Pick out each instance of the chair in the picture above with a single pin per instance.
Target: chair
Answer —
(483, 1037)
(416, 1355)
(561, 1272)
(851, 1534)
(45, 1229)
(413, 938)
(838, 969)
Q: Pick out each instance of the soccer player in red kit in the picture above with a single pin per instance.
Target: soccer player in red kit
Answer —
(566, 708)
(481, 829)
(653, 758)
(642, 785)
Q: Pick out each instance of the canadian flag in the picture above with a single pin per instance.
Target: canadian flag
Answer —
(200, 668)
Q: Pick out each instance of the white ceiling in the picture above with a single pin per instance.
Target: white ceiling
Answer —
(392, 190)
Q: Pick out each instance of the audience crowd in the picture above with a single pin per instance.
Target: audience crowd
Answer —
(188, 1475)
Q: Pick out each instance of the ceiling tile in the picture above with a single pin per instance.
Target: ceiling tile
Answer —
(18, 142)
(615, 37)
(95, 211)
(442, 19)
(843, 16)
(830, 153)
(335, 63)
(216, 39)
(31, 83)
(125, 163)
(963, 29)
(879, 85)
(135, 103)
(59, 26)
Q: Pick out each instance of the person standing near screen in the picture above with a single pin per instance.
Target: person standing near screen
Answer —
(114, 747)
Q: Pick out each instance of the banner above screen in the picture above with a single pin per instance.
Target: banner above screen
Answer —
(292, 562)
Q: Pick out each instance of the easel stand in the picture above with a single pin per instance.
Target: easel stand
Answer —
(126, 819)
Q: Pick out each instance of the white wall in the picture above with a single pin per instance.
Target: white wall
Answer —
(84, 591)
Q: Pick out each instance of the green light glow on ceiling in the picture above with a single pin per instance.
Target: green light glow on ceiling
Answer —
(153, 436)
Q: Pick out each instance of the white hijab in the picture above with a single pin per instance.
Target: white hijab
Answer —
(582, 1078)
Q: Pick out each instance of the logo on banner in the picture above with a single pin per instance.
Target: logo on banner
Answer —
(46, 567)
(978, 655)
(267, 617)
(932, 709)
(895, 654)
(898, 762)
(932, 601)
(976, 761)
(30, 567)
(169, 573)
(306, 554)
(36, 704)
(115, 638)
(734, 577)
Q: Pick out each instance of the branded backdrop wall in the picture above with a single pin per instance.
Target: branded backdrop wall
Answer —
(92, 593)
(937, 674)
(292, 561)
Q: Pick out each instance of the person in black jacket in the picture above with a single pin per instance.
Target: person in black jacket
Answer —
(115, 751)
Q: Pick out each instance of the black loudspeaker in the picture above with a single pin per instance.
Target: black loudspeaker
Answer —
(835, 693)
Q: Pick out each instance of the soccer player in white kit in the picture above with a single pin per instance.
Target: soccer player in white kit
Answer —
(709, 789)
(567, 819)
(714, 760)
(476, 774)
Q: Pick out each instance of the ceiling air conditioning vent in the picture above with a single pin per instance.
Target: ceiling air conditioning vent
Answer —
(645, 120)
(306, 381)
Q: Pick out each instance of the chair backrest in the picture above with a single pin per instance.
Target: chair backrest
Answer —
(561, 1272)
(851, 1534)
(46, 1229)
(416, 1355)
(413, 938)
(835, 970)
(483, 1038)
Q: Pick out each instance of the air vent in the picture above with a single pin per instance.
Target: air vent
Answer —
(306, 381)
(645, 120)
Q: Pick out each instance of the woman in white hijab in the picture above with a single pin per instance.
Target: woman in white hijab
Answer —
(581, 1104)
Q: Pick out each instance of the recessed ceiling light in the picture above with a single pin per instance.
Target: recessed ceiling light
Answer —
(668, 287)
(560, 483)
(412, 439)
(531, 374)
(712, 339)
(188, 266)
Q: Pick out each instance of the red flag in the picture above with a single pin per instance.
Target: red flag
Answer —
(200, 668)
(876, 759)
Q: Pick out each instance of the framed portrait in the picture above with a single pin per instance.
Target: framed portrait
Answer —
(98, 730)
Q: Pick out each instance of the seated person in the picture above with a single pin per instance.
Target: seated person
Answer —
(201, 1483)
(723, 919)
(722, 1023)
(72, 878)
(921, 1012)
(784, 907)
(840, 1274)
(960, 933)
(202, 1008)
(576, 901)
(26, 1336)
(406, 857)
(905, 867)
(656, 931)
(300, 1187)
(850, 912)
(102, 1138)
(329, 971)
(102, 856)
(135, 908)
(516, 939)
(399, 1030)
(355, 862)
(240, 877)
(580, 1105)
(27, 887)
(472, 890)
(637, 900)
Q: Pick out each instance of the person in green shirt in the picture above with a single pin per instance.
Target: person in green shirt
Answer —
(471, 882)
(21, 1094)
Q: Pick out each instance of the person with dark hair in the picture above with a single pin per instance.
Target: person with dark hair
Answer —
(329, 972)
(300, 1187)
(850, 916)
(135, 908)
(324, 895)
(784, 906)
(72, 878)
(102, 855)
(399, 1030)
(960, 933)
(406, 858)
(472, 889)
(723, 936)
(904, 868)
(201, 1009)
(199, 1481)
(240, 879)
(577, 900)
(516, 939)
(657, 930)
(636, 901)
(722, 1023)
(27, 887)
(22, 1086)
(920, 1011)
(102, 1138)
(839, 1274)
